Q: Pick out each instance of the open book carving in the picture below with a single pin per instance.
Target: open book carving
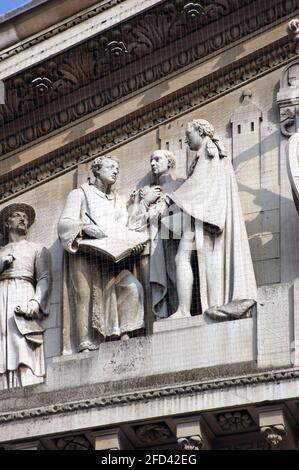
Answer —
(117, 246)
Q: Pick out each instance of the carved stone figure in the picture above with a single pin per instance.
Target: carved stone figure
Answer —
(101, 298)
(213, 226)
(190, 443)
(149, 205)
(293, 158)
(24, 291)
(293, 32)
(288, 102)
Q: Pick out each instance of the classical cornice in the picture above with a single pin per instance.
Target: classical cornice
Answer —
(76, 19)
(150, 395)
(129, 127)
(49, 25)
(223, 7)
(96, 58)
(92, 78)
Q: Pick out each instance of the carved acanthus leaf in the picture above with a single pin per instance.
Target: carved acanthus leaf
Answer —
(89, 61)
(235, 421)
(154, 432)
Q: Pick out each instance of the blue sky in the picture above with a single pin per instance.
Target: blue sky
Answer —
(8, 5)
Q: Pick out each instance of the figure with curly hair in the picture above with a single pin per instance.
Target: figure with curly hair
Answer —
(214, 228)
(102, 299)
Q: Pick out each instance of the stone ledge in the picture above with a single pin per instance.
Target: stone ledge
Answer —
(180, 323)
(185, 347)
(91, 410)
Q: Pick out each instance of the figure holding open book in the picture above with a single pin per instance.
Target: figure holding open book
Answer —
(24, 292)
(101, 298)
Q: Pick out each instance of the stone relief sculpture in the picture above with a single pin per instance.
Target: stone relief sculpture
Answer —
(293, 159)
(148, 205)
(24, 292)
(213, 226)
(293, 32)
(288, 102)
(101, 297)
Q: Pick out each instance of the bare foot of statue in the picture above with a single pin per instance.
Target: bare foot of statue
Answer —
(124, 337)
(180, 313)
(87, 346)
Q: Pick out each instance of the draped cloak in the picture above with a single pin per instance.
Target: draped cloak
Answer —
(210, 197)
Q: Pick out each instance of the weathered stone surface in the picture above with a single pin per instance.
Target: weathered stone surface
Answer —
(233, 342)
(265, 246)
(275, 329)
(295, 344)
(53, 342)
(135, 400)
(107, 440)
(267, 272)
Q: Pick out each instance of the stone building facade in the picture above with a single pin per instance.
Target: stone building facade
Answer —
(123, 77)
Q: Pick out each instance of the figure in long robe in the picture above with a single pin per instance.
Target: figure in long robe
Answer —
(213, 226)
(102, 299)
(148, 205)
(24, 293)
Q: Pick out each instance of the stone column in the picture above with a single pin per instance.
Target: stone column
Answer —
(111, 439)
(192, 434)
(276, 427)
